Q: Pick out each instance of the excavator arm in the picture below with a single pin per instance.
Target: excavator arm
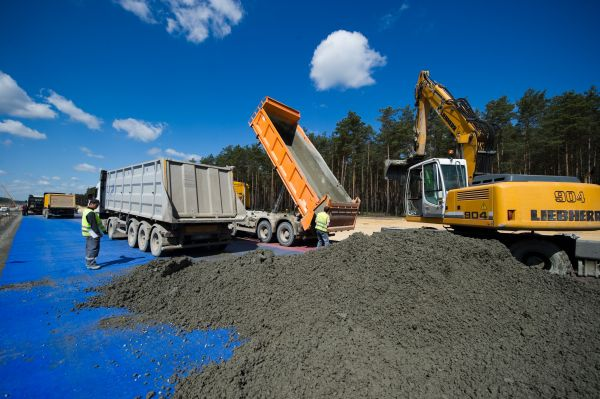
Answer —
(475, 137)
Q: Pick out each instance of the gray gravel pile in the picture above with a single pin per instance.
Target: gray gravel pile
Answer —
(411, 313)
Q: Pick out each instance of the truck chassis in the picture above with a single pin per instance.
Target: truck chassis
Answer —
(156, 237)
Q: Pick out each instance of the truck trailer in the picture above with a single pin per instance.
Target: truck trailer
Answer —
(165, 204)
(59, 205)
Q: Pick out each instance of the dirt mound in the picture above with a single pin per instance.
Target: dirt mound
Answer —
(409, 313)
(27, 285)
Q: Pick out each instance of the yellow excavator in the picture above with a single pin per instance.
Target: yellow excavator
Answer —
(462, 193)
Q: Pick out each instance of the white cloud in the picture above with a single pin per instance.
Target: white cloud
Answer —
(196, 19)
(138, 129)
(55, 178)
(18, 129)
(183, 156)
(67, 106)
(85, 167)
(154, 151)
(172, 153)
(7, 142)
(14, 101)
(345, 60)
(139, 8)
(2, 172)
(389, 19)
(90, 154)
(20, 189)
(74, 178)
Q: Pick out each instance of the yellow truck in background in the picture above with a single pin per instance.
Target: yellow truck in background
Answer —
(59, 204)
(242, 190)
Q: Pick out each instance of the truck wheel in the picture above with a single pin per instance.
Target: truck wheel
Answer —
(132, 231)
(264, 231)
(285, 234)
(542, 254)
(143, 236)
(156, 242)
(112, 227)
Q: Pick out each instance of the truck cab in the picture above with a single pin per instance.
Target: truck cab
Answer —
(428, 185)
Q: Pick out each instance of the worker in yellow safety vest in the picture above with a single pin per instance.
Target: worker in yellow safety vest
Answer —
(322, 223)
(92, 229)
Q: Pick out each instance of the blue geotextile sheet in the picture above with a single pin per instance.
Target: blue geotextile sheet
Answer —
(50, 350)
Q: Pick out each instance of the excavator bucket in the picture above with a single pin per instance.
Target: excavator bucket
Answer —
(395, 169)
(301, 167)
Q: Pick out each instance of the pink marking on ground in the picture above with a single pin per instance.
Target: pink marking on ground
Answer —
(293, 249)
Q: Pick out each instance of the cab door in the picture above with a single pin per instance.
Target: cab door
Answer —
(413, 194)
(433, 198)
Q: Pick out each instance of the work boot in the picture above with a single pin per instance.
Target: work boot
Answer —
(92, 265)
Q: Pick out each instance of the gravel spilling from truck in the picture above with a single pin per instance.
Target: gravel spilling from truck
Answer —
(408, 313)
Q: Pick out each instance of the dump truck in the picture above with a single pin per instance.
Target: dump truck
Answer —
(305, 176)
(59, 205)
(35, 205)
(164, 204)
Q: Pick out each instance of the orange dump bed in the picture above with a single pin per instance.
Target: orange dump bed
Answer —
(301, 167)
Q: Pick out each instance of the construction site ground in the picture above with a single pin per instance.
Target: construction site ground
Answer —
(50, 350)
(401, 314)
(370, 224)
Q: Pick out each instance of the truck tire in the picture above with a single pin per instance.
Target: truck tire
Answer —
(112, 227)
(264, 232)
(285, 234)
(542, 254)
(143, 236)
(132, 231)
(156, 242)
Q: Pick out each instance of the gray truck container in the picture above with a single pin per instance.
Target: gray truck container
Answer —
(166, 204)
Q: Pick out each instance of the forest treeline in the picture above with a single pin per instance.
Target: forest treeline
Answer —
(537, 134)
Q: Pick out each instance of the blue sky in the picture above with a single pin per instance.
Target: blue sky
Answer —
(122, 78)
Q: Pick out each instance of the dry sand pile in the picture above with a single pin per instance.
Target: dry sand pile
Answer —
(411, 313)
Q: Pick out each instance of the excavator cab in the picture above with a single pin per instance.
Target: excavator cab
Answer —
(428, 183)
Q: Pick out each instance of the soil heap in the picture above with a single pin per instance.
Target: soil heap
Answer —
(412, 313)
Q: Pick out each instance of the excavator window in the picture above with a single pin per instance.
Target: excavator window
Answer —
(414, 192)
(455, 176)
(432, 184)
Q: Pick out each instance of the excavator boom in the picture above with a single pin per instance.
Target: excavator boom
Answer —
(474, 137)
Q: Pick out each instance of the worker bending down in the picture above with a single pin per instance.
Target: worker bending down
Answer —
(322, 223)
(92, 229)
